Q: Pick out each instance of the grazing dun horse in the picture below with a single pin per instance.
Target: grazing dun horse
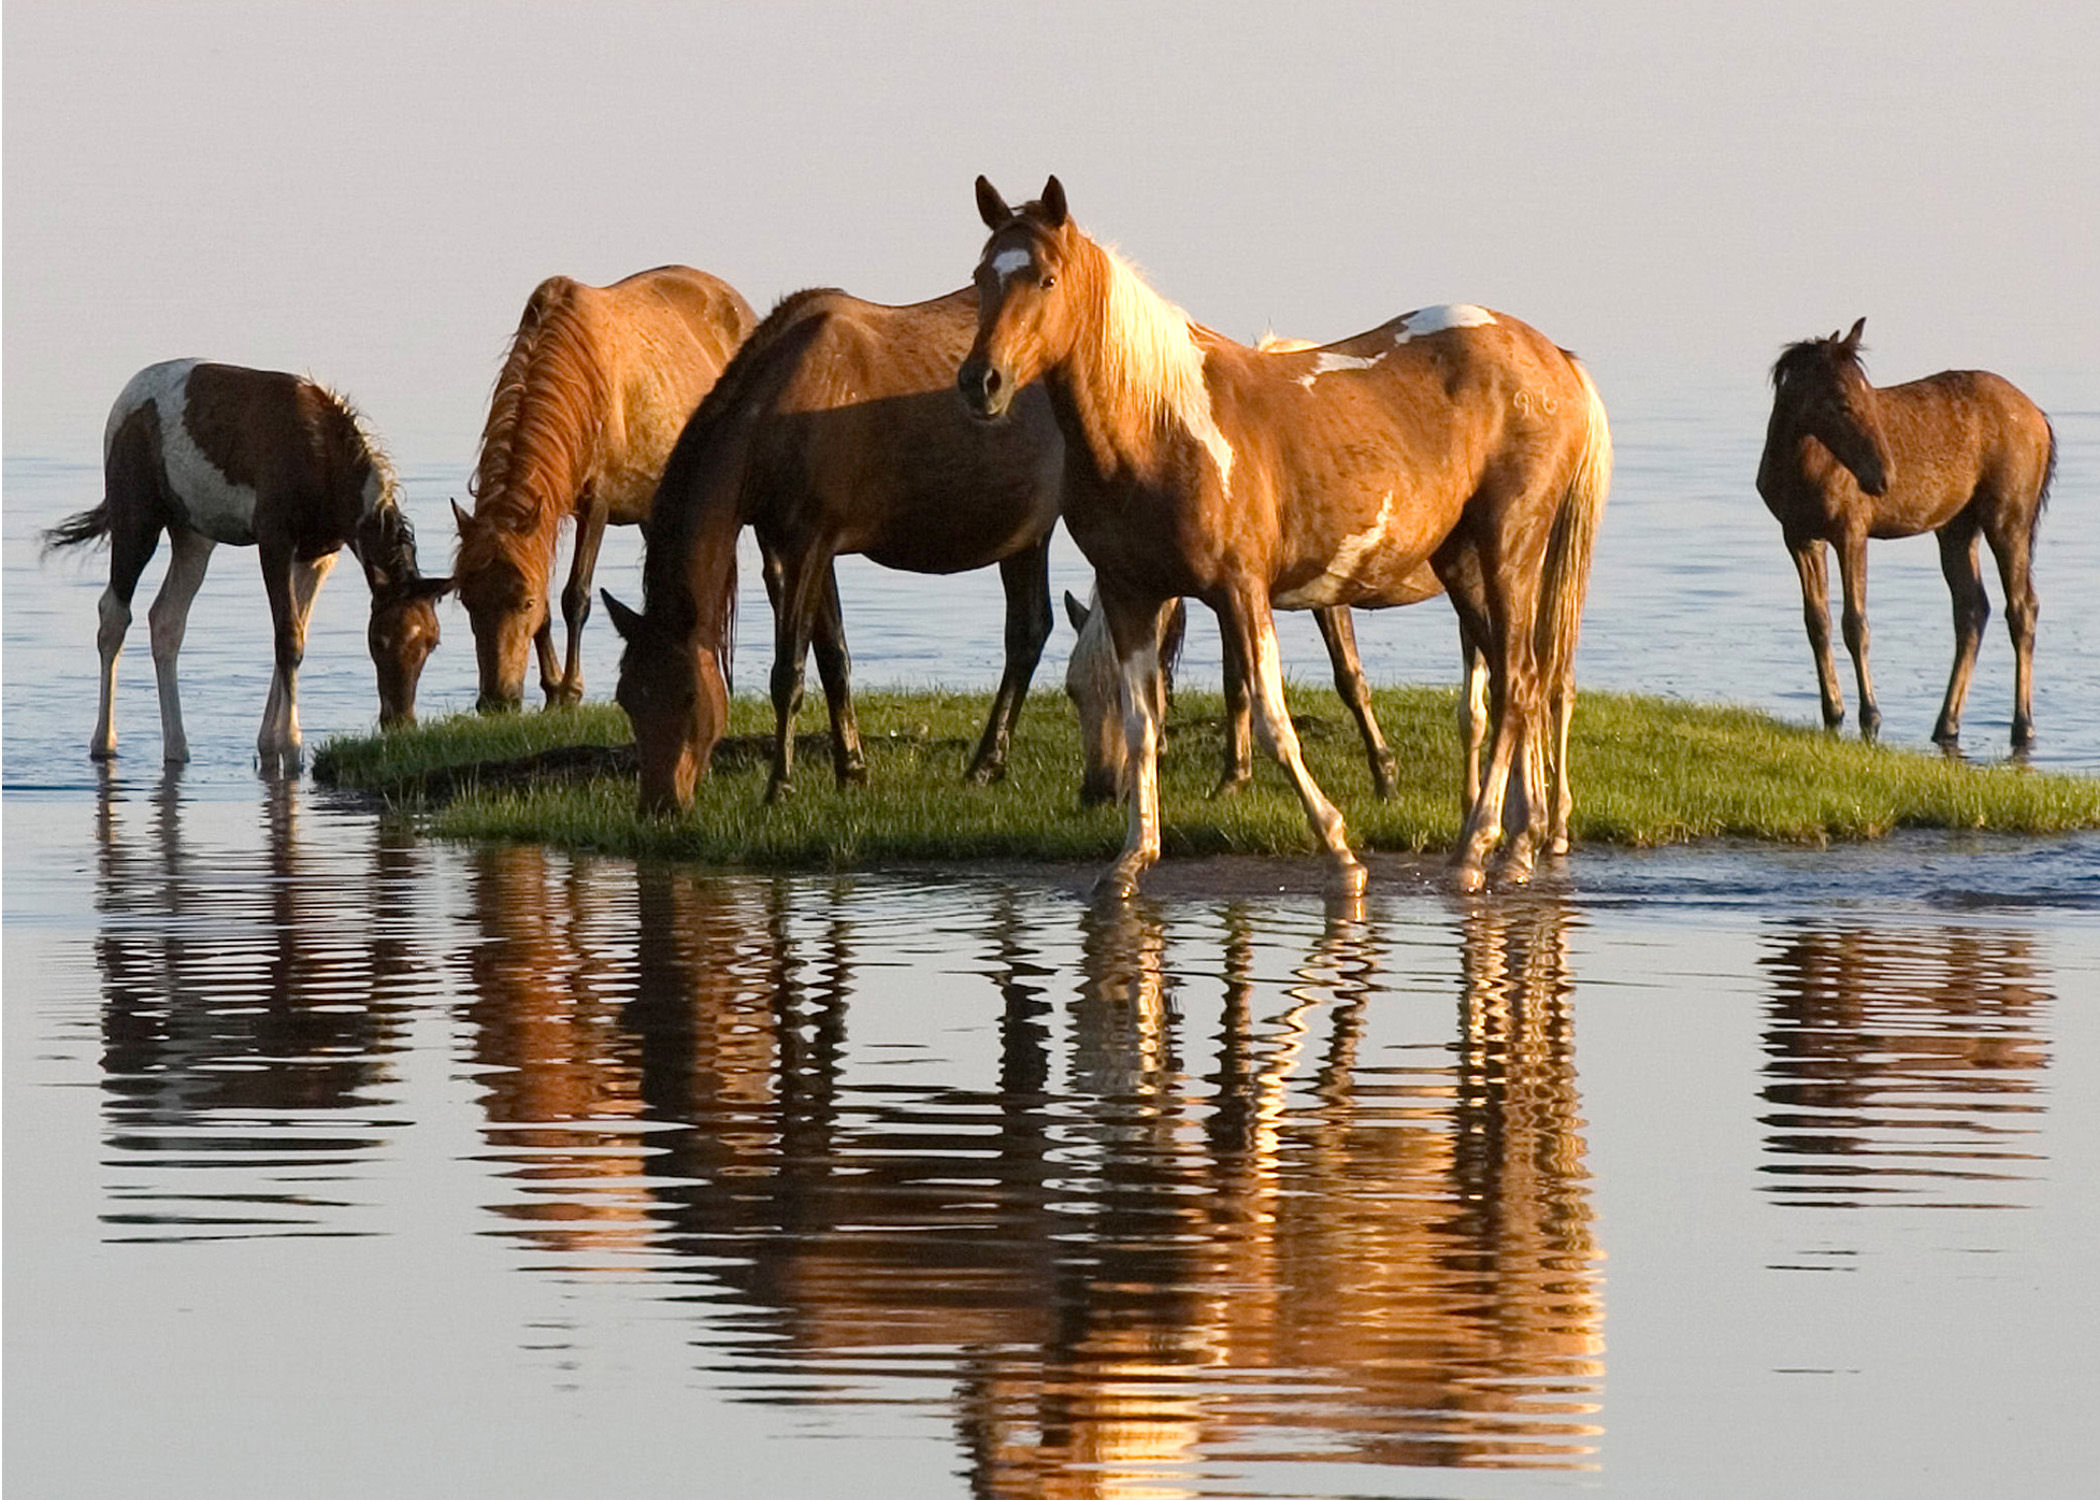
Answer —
(834, 430)
(1198, 467)
(215, 453)
(1961, 454)
(594, 391)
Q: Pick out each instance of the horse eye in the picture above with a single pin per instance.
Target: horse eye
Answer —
(1049, 282)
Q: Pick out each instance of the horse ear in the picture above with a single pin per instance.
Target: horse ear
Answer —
(430, 588)
(460, 517)
(1075, 611)
(1852, 338)
(990, 206)
(625, 620)
(1054, 203)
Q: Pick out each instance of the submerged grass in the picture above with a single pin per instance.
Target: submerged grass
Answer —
(1646, 771)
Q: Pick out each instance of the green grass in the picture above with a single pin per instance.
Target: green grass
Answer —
(1646, 772)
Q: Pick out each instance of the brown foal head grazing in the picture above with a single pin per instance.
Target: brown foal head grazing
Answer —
(403, 630)
(1820, 390)
(677, 698)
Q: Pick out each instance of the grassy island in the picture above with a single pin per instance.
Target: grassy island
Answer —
(1646, 771)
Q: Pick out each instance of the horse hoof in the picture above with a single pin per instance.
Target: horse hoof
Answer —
(1228, 786)
(102, 752)
(853, 775)
(1348, 880)
(1116, 885)
(1559, 847)
(986, 775)
(779, 791)
(1470, 880)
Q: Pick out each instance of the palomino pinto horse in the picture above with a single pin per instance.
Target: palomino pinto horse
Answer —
(1198, 467)
(216, 453)
(1958, 453)
(596, 387)
(834, 430)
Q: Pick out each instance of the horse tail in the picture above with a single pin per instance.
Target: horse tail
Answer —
(74, 530)
(2041, 497)
(1573, 540)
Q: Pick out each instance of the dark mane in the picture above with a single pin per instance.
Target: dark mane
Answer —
(674, 519)
(1832, 354)
(543, 418)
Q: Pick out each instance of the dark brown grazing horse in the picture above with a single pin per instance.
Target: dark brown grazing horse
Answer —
(1198, 467)
(596, 387)
(835, 430)
(216, 453)
(1960, 453)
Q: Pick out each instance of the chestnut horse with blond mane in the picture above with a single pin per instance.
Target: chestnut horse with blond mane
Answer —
(1961, 454)
(835, 430)
(596, 387)
(1198, 467)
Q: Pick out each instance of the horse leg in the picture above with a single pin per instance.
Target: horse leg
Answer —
(1249, 630)
(1026, 577)
(189, 553)
(801, 579)
(1972, 611)
(1852, 573)
(576, 601)
(1815, 614)
(1508, 601)
(1472, 710)
(1238, 767)
(835, 672)
(543, 648)
(2023, 610)
(279, 740)
(131, 548)
(1338, 630)
(1135, 626)
(1561, 705)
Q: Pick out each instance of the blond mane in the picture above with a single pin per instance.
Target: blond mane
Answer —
(1152, 366)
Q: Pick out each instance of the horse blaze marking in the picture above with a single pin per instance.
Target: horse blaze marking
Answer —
(1007, 262)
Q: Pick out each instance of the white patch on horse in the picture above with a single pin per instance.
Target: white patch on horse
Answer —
(1427, 320)
(211, 503)
(1007, 262)
(1327, 364)
(1340, 573)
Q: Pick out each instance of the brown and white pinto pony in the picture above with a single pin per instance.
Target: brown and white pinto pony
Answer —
(1198, 467)
(1960, 453)
(215, 453)
(835, 430)
(594, 391)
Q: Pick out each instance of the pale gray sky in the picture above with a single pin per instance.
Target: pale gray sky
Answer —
(369, 191)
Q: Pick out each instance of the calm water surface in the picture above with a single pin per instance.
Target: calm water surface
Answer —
(343, 1163)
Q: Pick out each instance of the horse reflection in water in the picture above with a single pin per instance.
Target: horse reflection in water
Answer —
(244, 1020)
(1112, 1252)
(1902, 1062)
(559, 1094)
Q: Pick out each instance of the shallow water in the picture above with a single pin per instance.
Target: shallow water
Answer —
(346, 1163)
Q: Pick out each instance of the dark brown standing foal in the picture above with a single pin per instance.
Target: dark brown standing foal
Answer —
(1960, 453)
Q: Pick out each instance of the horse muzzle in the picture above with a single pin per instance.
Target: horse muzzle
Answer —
(985, 392)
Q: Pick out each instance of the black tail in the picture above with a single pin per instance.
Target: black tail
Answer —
(2041, 499)
(88, 526)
